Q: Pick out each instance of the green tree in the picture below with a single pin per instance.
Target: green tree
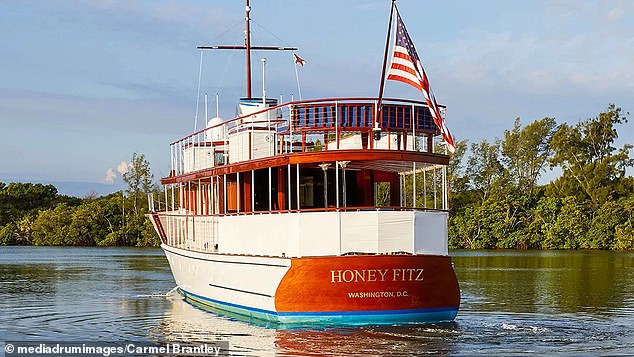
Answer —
(484, 169)
(25, 230)
(480, 227)
(35, 214)
(18, 199)
(149, 237)
(526, 152)
(51, 227)
(9, 234)
(460, 194)
(140, 181)
(624, 232)
(88, 224)
(567, 228)
(606, 220)
(593, 169)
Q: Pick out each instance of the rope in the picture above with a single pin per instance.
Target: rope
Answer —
(271, 33)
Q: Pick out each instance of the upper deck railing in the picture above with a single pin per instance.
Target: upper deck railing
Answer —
(309, 125)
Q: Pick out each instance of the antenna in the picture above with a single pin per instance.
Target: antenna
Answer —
(263, 80)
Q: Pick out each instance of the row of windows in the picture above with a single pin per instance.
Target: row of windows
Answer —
(360, 116)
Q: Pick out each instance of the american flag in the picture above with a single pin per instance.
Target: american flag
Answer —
(406, 67)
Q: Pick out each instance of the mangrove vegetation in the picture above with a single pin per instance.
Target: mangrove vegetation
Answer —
(497, 202)
(35, 214)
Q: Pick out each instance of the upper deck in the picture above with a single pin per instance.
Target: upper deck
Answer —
(327, 164)
(310, 132)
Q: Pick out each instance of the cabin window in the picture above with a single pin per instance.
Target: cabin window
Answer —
(261, 190)
(306, 187)
(219, 158)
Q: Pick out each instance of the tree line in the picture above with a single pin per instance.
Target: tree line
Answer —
(35, 214)
(496, 200)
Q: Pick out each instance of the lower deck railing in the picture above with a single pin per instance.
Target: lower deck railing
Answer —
(367, 230)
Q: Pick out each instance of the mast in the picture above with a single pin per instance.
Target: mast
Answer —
(387, 48)
(248, 49)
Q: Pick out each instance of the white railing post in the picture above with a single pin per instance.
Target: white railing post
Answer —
(400, 188)
(337, 184)
(337, 126)
(435, 190)
(175, 159)
(445, 189)
(181, 165)
(165, 193)
(298, 203)
(224, 184)
(324, 168)
(238, 191)
(414, 140)
(270, 194)
(343, 165)
(414, 183)
(290, 193)
(289, 146)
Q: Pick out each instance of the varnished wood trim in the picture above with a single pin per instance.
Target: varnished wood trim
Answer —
(308, 102)
(367, 156)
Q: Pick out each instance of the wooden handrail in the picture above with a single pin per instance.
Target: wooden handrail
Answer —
(302, 102)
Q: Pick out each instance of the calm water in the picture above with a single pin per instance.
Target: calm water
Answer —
(512, 303)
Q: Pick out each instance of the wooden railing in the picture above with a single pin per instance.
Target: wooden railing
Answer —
(309, 125)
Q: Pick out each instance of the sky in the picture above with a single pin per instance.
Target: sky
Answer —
(84, 84)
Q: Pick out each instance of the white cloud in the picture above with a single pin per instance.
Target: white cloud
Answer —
(110, 176)
(123, 167)
(615, 13)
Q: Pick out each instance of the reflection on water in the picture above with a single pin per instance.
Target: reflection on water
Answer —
(185, 322)
(594, 282)
(512, 302)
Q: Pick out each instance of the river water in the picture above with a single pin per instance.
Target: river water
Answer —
(513, 302)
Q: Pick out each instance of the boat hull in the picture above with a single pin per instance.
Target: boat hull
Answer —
(334, 290)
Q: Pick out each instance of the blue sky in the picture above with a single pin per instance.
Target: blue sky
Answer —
(86, 83)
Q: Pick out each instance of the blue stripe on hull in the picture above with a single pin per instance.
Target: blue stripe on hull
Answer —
(415, 316)
(226, 307)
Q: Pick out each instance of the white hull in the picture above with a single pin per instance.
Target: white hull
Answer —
(382, 289)
(247, 283)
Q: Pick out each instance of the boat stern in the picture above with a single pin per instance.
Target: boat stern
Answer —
(369, 289)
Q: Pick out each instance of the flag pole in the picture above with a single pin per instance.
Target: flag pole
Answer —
(247, 42)
(299, 89)
(387, 48)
